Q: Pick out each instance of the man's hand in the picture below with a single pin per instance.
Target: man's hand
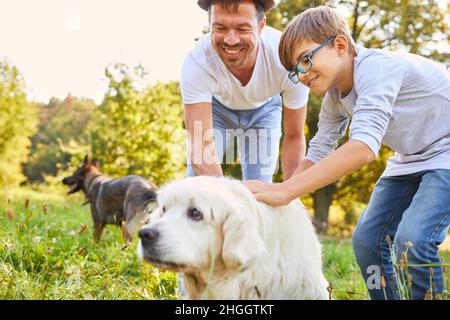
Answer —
(273, 194)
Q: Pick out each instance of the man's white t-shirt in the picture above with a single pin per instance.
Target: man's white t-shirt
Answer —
(204, 75)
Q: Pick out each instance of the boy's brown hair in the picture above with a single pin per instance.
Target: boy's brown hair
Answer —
(315, 24)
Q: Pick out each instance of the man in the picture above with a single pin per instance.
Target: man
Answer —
(231, 84)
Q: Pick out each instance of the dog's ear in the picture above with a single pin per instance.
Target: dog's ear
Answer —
(95, 163)
(241, 243)
(85, 161)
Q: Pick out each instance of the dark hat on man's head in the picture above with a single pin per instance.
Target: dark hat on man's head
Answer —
(266, 4)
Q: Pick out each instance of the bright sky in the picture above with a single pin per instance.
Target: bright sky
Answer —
(64, 45)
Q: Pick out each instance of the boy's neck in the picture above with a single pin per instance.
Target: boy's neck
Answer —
(345, 82)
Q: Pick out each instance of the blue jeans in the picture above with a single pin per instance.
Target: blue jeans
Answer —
(258, 133)
(415, 208)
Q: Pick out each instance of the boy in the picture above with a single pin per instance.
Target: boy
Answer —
(400, 100)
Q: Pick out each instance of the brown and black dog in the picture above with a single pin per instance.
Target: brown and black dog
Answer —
(125, 201)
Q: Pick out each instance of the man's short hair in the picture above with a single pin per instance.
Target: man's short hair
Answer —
(233, 6)
(315, 24)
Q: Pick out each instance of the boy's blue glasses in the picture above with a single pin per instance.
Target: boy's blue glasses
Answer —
(305, 64)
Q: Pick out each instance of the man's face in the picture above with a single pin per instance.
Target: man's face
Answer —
(235, 35)
(325, 70)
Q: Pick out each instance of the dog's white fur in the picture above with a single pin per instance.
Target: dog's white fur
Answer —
(242, 249)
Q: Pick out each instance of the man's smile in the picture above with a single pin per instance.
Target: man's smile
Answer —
(232, 52)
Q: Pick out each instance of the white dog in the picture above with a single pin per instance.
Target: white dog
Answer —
(230, 246)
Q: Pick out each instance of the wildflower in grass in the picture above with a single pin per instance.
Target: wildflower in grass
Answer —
(431, 272)
(388, 240)
(88, 296)
(10, 214)
(383, 286)
(74, 275)
(405, 258)
(53, 240)
(8, 244)
(82, 229)
(330, 290)
(27, 220)
(37, 239)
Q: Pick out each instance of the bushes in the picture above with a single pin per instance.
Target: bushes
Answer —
(18, 121)
(139, 131)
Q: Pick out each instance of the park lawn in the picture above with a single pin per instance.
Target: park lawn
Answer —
(46, 253)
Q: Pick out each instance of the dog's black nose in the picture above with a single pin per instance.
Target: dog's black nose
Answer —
(149, 234)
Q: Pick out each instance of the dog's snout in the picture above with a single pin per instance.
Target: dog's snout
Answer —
(149, 234)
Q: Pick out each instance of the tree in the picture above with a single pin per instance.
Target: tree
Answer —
(61, 123)
(17, 123)
(415, 25)
(138, 128)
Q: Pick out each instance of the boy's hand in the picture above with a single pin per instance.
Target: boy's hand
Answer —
(273, 194)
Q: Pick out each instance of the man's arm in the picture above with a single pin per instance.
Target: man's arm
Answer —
(304, 165)
(294, 142)
(201, 147)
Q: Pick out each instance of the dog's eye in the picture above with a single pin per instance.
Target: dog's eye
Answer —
(194, 214)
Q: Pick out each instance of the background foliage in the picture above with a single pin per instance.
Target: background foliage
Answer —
(138, 127)
(17, 124)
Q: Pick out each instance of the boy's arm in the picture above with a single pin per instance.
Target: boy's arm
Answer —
(331, 127)
(350, 157)
(377, 82)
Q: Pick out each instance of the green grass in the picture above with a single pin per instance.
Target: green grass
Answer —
(342, 271)
(43, 256)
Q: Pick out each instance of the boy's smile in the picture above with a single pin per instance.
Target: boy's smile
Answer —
(310, 81)
(330, 67)
(315, 78)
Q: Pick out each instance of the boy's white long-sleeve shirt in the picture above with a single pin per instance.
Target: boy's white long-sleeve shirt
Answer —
(398, 99)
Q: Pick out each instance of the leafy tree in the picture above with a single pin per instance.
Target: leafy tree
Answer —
(415, 25)
(138, 128)
(17, 123)
(61, 123)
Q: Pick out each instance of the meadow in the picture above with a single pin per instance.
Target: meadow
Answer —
(47, 252)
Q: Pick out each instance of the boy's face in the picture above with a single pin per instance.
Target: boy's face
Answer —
(235, 34)
(326, 67)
